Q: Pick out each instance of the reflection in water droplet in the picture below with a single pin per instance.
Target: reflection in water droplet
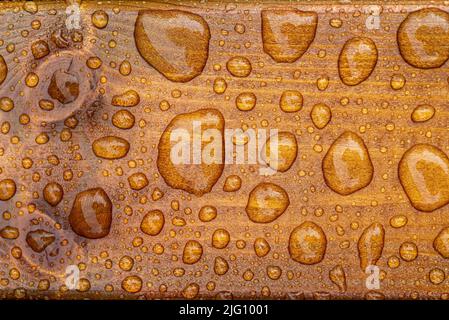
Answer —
(110, 147)
(422, 38)
(192, 174)
(266, 203)
(370, 245)
(307, 243)
(91, 214)
(239, 66)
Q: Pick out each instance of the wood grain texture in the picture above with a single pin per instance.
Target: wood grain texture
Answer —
(377, 113)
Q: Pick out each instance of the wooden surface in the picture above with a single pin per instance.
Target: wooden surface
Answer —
(378, 114)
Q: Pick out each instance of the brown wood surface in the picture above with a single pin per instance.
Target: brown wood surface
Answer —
(378, 114)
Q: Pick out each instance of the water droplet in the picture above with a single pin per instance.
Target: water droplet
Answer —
(423, 113)
(370, 245)
(220, 85)
(357, 60)
(437, 276)
(287, 150)
(441, 243)
(6, 104)
(126, 263)
(422, 38)
(338, 277)
(220, 238)
(125, 68)
(40, 239)
(397, 81)
(398, 221)
(307, 243)
(94, 63)
(46, 105)
(64, 86)
(123, 119)
(291, 101)
(30, 7)
(9, 233)
(266, 203)
(7, 189)
(322, 83)
(110, 147)
(335, 23)
(288, 33)
(53, 193)
(274, 272)
(129, 98)
(174, 42)
(32, 80)
(191, 291)
(321, 115)
(138, 181)
(239, 66)
(197, 178)
(91, 214)
(207, 213)
(424, 175)
(192, 253)
(347, 165)
(152, 223)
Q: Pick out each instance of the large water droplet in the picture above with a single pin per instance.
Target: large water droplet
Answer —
(337, 275)
(423, 113)
(441, 243)
(321, 115)
(190, 170)
(152, 223)
(424, 175)
(370, 245)
(423, 37)
(53, 193)
(7, 189)
(287, 34)
(110, 147)
(307, 243)
(192, 253)
(64, 86)
(347, 165)
(3, 69)
(266, 203)
(174, 42)
(357, 60)
(38, 240)
(287, 150)
(91, 214)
